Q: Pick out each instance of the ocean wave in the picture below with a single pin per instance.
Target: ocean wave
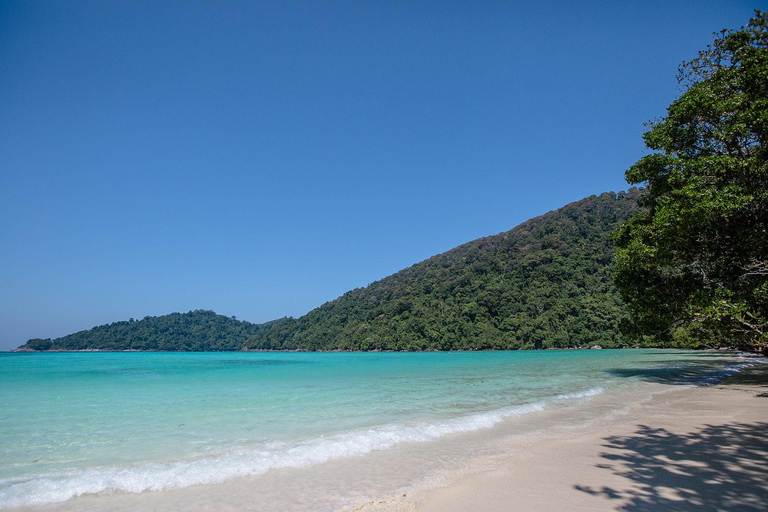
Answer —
(217, 468)
(580, 394)
(718, 376)
(211, 469)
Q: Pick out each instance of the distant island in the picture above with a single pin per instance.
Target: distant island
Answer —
(198, 330)
(545, 284)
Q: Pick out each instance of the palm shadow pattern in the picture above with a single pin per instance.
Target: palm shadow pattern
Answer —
(718, 467)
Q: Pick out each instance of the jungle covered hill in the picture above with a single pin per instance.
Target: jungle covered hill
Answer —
(198, 330)
(545, 284)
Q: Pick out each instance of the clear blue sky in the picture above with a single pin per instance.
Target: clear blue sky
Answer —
(261, 158)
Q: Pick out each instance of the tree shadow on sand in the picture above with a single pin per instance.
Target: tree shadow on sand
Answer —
(670, 376)
(720, 467)
(701, 371)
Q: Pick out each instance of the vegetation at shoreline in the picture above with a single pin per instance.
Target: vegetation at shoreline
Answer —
(198, 330)
(546, 283)
(692, 266)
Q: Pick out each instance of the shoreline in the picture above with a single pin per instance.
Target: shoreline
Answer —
(509, 466)
(728, 350)
(696, 448)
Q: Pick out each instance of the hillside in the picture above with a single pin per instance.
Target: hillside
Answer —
(545, 283)
(197, 330)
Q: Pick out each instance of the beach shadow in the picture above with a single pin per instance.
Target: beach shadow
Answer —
(699, 371)
(755, 378)
(719, 467)
(671, 375)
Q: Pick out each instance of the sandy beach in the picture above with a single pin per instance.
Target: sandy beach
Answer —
(703, 448)
(660, 446)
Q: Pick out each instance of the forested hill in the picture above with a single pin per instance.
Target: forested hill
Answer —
(197, 330)
(545, 283)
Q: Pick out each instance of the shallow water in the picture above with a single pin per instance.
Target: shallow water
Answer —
(75, 424)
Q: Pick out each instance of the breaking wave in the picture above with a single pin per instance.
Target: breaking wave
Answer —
(217, 468)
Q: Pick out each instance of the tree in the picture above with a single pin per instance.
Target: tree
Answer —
(693, 264)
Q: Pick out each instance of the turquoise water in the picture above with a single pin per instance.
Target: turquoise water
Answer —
(79, 423)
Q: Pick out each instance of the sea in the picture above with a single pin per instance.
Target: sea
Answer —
(296, 431)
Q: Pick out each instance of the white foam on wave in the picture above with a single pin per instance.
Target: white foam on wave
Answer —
(718, 376)
(580, 394)
(57, 487)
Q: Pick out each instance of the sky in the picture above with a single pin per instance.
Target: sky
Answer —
(260, 158)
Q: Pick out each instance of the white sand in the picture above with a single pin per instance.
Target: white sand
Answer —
(700, 448)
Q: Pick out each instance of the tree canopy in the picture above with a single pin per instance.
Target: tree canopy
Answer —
(692, 266)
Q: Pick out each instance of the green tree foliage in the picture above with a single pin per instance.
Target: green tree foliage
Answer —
(546, 283)
(39, 344)
(197, 330)
(692, 266)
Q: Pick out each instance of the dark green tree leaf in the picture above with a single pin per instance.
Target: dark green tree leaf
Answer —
(692, 267)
